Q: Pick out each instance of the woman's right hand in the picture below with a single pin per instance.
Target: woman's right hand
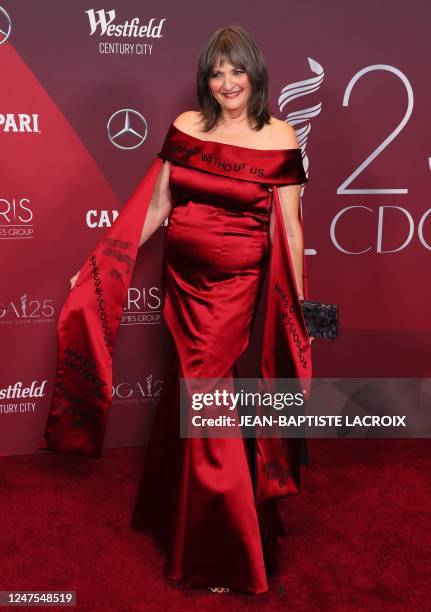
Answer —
(73, 280)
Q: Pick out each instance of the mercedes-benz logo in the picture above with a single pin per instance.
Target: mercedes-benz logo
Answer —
(126, 136)
(5, 26)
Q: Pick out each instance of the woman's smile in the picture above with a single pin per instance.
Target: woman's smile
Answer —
(231, 95)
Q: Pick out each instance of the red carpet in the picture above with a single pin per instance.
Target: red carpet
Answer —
(358, 535)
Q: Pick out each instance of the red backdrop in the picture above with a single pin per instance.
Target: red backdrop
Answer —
(351, 78)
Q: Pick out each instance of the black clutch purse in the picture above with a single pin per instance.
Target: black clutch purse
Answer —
(321, 319)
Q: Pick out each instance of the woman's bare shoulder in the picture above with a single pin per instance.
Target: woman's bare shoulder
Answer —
(189, 122)
(282, 134)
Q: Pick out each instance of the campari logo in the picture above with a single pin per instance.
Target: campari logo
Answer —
(25, 310)
(100, 218)
(20, 123)
(95, 219)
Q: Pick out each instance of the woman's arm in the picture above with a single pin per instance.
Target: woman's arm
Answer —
(158, 209)
(289, 201)
(160, 205)
(289, 195)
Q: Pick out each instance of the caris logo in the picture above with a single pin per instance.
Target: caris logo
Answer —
(143, 306)
(16, 218)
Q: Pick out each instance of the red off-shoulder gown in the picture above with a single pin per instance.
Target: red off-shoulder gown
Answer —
(211, 503)
(196, 495)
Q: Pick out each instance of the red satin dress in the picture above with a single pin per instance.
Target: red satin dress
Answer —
(196, 495)
(211, 503)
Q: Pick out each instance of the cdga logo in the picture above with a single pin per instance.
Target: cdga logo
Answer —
(24, 311)
(138, 391)
(398, 215)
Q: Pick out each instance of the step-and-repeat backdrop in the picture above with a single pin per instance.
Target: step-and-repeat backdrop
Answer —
(88, 93)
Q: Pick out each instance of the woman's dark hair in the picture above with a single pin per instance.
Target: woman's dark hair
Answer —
(235, 45)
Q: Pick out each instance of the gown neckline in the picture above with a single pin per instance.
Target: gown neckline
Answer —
(226, 144)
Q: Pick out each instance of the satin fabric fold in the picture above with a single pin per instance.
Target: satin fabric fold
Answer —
(285, 354)
(91, 315)
(87, 328)
(271, 167)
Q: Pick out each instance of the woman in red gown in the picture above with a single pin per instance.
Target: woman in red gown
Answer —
(229, 179)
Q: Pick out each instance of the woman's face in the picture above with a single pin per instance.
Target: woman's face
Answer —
(230, 86)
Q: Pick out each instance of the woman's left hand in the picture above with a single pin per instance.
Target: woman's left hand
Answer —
(301, 299)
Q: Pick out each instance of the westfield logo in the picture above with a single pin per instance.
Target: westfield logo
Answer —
(104, 20)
